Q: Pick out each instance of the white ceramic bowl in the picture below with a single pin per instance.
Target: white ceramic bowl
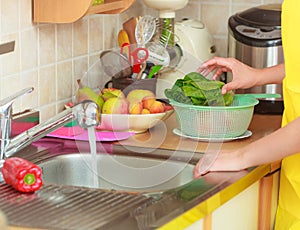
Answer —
(137, 123)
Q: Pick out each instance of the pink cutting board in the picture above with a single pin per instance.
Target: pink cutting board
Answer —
(100, 136)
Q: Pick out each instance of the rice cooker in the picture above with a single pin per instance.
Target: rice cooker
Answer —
(254, 38)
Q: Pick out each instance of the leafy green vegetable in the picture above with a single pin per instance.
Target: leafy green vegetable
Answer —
(195, 89)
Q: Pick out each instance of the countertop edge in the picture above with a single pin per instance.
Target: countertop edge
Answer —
(215, 201)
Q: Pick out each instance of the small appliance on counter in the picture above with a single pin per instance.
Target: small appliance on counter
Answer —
(193, 37)
(197, 46)
(255, 39)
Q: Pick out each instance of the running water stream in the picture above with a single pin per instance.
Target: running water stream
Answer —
(93, 149)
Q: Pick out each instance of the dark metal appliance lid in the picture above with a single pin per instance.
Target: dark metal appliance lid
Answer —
(258, 26)
(261, 16)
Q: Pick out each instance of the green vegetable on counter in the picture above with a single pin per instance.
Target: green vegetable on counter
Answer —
(195, 89)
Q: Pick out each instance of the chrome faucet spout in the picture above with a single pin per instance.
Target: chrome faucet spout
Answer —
(5, 117)
(87, 113)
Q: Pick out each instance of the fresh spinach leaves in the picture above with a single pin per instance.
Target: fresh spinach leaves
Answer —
(195, 89)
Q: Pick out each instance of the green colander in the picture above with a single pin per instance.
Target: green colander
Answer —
(216, 121)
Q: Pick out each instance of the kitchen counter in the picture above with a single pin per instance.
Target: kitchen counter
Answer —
(261, 125)
(162, 136)
(181, 207)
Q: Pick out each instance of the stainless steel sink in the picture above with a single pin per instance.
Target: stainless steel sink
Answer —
(116, 172)
(71, 199)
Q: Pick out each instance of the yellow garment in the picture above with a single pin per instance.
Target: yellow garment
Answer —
(288, 212)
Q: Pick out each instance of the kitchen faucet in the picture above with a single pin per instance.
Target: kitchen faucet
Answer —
(87, 114)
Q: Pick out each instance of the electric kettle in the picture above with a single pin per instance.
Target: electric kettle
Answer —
(194, 38)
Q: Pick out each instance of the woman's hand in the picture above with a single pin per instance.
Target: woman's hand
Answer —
(226, 161)
(243, 76)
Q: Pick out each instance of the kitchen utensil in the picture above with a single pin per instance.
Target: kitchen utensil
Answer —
(216, 121)
(129, 27)
(158, 54)
(123, 38)
(142, 70)
(147, 69)
(136, 56)
(115, 64)
(154, 70)
(145, 29)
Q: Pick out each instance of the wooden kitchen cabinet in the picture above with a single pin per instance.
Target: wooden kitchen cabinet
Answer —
(68, 11)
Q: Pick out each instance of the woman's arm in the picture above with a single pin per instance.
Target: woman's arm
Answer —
(281, 143)
(243, 75)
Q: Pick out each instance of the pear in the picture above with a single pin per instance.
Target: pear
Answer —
(86, 93)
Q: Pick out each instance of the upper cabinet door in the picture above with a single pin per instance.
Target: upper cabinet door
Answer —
(68, 11)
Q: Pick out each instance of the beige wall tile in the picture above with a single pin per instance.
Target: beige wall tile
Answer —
(10, 62)
(240, 7)
(61, 106)
(47, 111)
(96, 74)
(215, 17)
(111, 29)
(47, 85)
(221, 44)
(47, 48)
(9, 16)
(9, 86)
(64, 42)
(80, 67)
(64, 80)
(26, 13)
(28, 49)
(30, 79)
(80, 37)
(96, 34)
(192, 10)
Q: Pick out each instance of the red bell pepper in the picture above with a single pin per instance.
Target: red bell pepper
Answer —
(21, 174)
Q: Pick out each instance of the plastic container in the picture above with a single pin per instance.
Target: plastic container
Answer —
(216, 121)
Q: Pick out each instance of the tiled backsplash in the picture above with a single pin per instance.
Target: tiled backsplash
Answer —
(51, 57)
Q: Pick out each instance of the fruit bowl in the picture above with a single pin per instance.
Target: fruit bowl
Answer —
(137, 123)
